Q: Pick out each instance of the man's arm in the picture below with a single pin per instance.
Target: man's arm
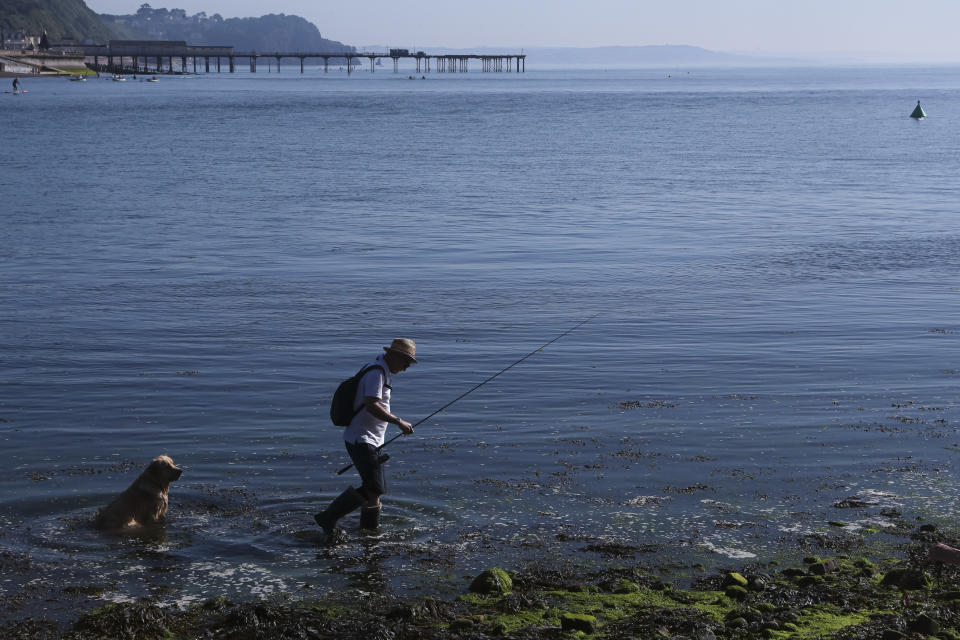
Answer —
(373, 406)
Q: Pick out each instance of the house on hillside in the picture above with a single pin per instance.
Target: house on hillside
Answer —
(17, 40)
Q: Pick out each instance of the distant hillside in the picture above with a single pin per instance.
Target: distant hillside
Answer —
(61, 19)
(273, 32)
(652, 55)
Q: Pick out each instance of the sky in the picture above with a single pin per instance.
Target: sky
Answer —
(887, 30)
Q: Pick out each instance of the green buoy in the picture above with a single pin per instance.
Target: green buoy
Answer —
(918, 112)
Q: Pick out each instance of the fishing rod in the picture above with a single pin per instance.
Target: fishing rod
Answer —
(464, 395)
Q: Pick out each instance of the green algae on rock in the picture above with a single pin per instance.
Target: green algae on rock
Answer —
(492, 581)
(578, 622)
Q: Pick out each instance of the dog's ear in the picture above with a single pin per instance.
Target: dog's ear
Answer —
(155, 468)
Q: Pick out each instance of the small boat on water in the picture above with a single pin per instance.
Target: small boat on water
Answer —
(118, 79)
(153, 79)
(918, 112)
(78, 78)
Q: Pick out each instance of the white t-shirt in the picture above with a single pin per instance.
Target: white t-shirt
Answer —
(365, 427)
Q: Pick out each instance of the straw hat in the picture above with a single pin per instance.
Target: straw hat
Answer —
(403, 346)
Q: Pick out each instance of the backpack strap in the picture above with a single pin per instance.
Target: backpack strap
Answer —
(359, 377)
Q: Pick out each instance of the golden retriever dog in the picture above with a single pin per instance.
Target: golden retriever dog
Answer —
(145, 501)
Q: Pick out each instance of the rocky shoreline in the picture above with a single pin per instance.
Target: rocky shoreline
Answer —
(844, 596)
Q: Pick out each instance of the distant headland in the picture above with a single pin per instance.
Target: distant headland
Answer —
(272, 32)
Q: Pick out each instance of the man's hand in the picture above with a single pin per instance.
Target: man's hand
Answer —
(405, 426)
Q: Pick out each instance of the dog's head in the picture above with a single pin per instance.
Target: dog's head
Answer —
(163, 470)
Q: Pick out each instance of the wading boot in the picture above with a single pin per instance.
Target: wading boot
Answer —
(370, 518)
(341, 506)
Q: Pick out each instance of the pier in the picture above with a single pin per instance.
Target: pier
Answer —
(144, 56)
(423, 62)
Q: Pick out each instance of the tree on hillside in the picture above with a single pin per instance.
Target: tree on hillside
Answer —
(61, 19)
(273, 32)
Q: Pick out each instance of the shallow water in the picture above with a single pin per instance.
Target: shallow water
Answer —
(190, 266)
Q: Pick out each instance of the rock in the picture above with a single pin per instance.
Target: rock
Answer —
(752, 615)
(865, 567)
(906, 579)
(735, 579)
(824, 567)
(924, 624)
(461, 625)
(948, 596)
(492, 581)
(892, 634)
(928, 528)
(757, 583)
(809, 581)
(793, 572)
(735, 592)
(853, 502)
(218, 603)
(578, 622)
(626, 586)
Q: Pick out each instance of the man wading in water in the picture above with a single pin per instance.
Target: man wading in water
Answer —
(366, 433)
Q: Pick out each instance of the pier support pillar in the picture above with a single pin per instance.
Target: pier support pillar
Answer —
(253, 64)
(301, 63)
(326, 64)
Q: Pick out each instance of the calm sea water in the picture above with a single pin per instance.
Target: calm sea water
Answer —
(189, 267)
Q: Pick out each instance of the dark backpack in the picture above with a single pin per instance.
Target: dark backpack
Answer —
(341, 407)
